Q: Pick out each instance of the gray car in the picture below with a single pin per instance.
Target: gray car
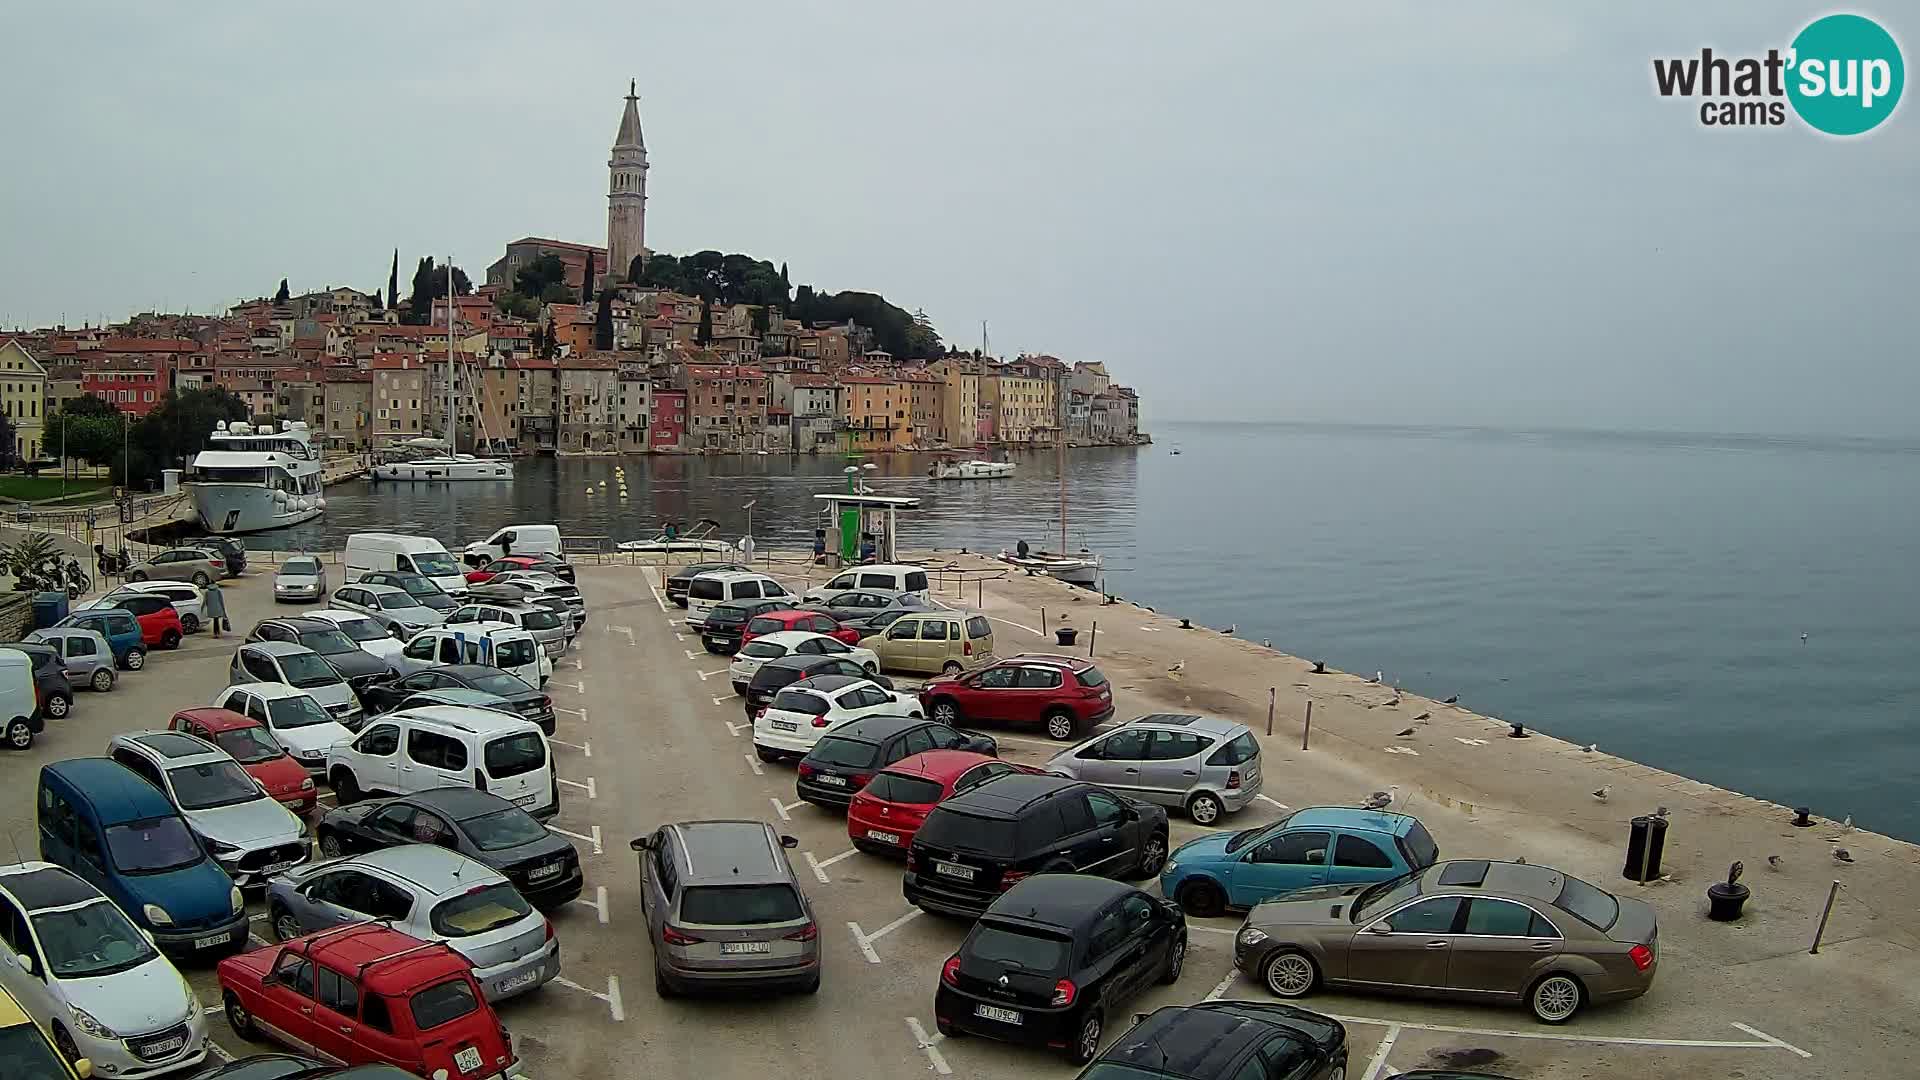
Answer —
(851, 605)
(551, 629)
(88, 658)
(1202, 764)
(300, 578)
(432, 894)
(397, 611)
(246, 830)
(724, 909)
(298, 667)
(202, 566)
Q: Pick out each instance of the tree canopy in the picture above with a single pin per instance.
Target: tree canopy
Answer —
(709, 275)
(894, 329)
(430, 284)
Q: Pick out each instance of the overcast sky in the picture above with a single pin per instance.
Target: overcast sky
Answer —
(1396, 213)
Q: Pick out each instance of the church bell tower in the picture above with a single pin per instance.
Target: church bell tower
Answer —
(626, 193)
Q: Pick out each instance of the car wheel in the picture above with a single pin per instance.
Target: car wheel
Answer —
(946, 712)
(766, 755)
(330, 844)
(1202, 898)
(1087, 1042)
(345, 788)
(59, 705)
(19, 734)
(812, 986)
(1290, 973)
(102, 680)
(136, 659)
(201, 579)
(661, 987)
(951, 667)
(239, 1020)
(1176, 961)
(285, 926)
(1061, 726)
(872, 668)
(1153, 856)
(63, 1042)
(137, 575)
(1555, 998)
(190, 623)
(1204, 808)
(170, 639)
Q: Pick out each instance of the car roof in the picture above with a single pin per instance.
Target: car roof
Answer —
(214, 718)
(378, 588)
(466, 671)
(1064, 900)
(696, 569)
(1350, 817)
(828, 684)
(518, 607)
(460, 803)
(278, 648)
(333, 615)
(41, 885)
(1071, 663)
(802, 661)
(942, 765)
(875, 728)
(892, 566)
(1542, 883)
(462, 718)
(172, 747)
(1007, 796)
(1203, 1040)
(434, 869)
(731, 575)
(729, 852)
(116, 792)
(271, 691)
(299, 558)
(302, 622)
(790, 638)
(1211, 725)
(454, 695)
(388, 961)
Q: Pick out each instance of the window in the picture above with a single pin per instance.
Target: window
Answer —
(1109, 931)
(1105, 808)
(1284, 1058)
(383, 740)
(1498, 918)
(903, 630)
(375, 1014)
(1174, 745)
(876, 581)
(337, 992)
(918, 741)
(486, 908)
(916, 581)
(1305, 848)
(141, 767)
(933, 630)
(740, 905)
(998, 678)
(1433, 916)
(977, 627)
(1418, 846)
(746, 590)
(1350, 850)
(1596, 907)
(1120, 746)
(799, 701)
(1238, 751)
(396, 819)
(442, 1004)
(295, 972)
(512, 755)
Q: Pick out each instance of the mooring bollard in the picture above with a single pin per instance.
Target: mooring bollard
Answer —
(1092, 636)
(1272, 693)
(1043, 622)
(1307, 731)
(1821, 930)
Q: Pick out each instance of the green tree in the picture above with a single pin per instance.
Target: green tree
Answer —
(558, 292)
(9, 457)
(705, 333)
(517, 305)
(550, 341)
(535, 278)
(430, 284)
(175, 430)
(393, 282)
(89, 405)
(281, 296)
(603, 324)
(636, 269)
(586, 281)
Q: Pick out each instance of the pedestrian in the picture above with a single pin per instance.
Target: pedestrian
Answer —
(819, 547)
(746, 551)
(866, 547)
(213, 604)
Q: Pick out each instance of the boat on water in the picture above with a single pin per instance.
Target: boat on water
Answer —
(1082, 569)
(976, 469)
(446, 466)
(252, 479)
(700, 538)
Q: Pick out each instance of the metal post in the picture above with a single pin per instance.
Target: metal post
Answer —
(1272, 692)
(980, 593)
(1093, 636)
(1307, 731)
(1646, 851)
(1043, 622)
(1820, 931)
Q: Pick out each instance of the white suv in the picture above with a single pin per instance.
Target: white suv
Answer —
(804, 711)
(708, 591)
(448, 746)
(301, 725)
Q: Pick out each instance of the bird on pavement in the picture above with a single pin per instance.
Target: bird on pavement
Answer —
(1375, 681)
(1380, 800)
(1662, 812)
(1403, 733)
(1454, 700)
(1266, 643)
(1396, 696)
(1774, 862)
(1180, 666)
(1841, 854)
(1602, 792)
(1231, 627)
(1590, 748)
(1423, 718)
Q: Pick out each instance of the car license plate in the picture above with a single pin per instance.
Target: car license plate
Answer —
(785, 725)
(163, 1048)
(829, 778)
(1005, 1016)
(525, 978)
(211, 940)
(954, 870)
(883, 837)
(716, 639)
(468, 1060)
(525, 800)
(546, 871)
(275, 868)
(736, 947)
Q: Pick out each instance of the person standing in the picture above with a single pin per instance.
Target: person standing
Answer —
(213, 605)
(746, 550)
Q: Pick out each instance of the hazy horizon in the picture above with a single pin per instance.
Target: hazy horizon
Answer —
(1480, 215)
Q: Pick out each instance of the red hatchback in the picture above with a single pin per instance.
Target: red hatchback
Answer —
(509, 562)
(1064, 695)
(772, 622)
(362, 994)
(248, 743)
(886, 813)
(159, 623)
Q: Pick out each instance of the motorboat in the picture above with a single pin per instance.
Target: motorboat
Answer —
(445, 467)
(252, 479)
(976, 469)
(700, 538)
(1082, 569)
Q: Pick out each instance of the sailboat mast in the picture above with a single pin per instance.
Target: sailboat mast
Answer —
(451, 448)
(1060, 444)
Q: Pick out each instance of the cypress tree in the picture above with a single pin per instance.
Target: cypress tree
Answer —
(281, 296)
(705, 333)
(586, 283)
(603, 324)
(393, 282)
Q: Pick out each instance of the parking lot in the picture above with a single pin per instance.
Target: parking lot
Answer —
(649, 732)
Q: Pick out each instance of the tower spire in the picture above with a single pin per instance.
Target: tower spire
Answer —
(627, 191)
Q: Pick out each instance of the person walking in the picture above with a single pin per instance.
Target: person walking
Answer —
(213, 604)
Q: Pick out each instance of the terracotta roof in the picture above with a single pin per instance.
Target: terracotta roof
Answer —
(868, 380)
(392, 363)
(148, 345)
(345, 375)
(818, 381)
(586, 363)
(543, 241)
(724, 372)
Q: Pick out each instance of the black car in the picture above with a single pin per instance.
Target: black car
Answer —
(843, 762)
(50, 682)
(680, 579)
(232, 550)
(727, 622)
(418, 586)
(1057, 957)
(777, 674)
(1244, 1040)
(531, 703)
(486, 828)
(359, 667)
(270, 1067)
(980, 842)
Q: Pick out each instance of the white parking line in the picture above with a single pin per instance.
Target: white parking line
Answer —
(594, 839)
(1758, 1034)
(753, 762)
(819, 865)
(930, 1045)
(611, 997)
(627, 630)
(580, 712)
(818, 871)
(576, 664)
(734, 729)
(691, 655)
(1380, 1056)
(724, 700)
(705, 675)
(997, 737)
(579, 686)
(1220, 991)
(598, 903)
(866, 946)
(585, 748)
(779, 808)
(1762, 1040)
(866, 940)
(1229, 932)
(657, 598)
(1274, 801)
(215, 1048)
(586, 787)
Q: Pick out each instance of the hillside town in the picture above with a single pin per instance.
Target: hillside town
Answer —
(600, 360)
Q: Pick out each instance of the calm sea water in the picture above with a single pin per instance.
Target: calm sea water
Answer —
(1646, 592)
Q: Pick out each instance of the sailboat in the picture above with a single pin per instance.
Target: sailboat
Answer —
(1078, 568)
(450, 465)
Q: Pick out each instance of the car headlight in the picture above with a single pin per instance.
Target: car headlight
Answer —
(85, 1022)
(1251, 935)
(156, 915)
(1170, 867)
(239, 902)
(220, 847)
(307, 784)
(193, 1001)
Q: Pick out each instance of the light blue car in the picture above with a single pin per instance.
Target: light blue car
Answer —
(1316, 845)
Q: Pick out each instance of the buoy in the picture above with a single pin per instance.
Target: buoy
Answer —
(321, 503)
(589, 489)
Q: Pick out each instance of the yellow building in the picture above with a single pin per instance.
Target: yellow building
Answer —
(958, 415)
(876, 412)
(23, 397)
(1022, 408)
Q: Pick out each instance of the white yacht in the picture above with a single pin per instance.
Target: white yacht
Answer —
(447, 465)
(250, 479)
(970, 470)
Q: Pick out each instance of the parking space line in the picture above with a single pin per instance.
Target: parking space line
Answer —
(594, 839)
(691, 655)
(611, 997)
(1762, 1042)
(860, 939)
(568, 660)
(598, 903)
(866, 940)
(1024, 741)
(753, 763)
(627, 630)
(818, 870)
(586, 787)
(819, 865)
(585, 748)
(1269, 799)
(215, 1048)
(724, 700)
(1220, 990)
(778, 807)
(581, 712)
(1212, 929)
(705, 675)
(734, 729)
(1758, 1034)
(1380, 1056)
(934, 1055)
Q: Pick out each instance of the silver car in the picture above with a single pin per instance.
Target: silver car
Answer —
(397, 611)
(432, 894)
(1202, 764)
(88, 657)
(298, 667)
(724, 909)
(300, 578)
(551, 629)
(249, 833)
(202, 566)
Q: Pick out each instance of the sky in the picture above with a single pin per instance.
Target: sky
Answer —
(1398, 213)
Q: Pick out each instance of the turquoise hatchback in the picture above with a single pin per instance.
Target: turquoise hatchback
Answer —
(1316, 845)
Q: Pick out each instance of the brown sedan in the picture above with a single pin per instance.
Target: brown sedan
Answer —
(1486, 931)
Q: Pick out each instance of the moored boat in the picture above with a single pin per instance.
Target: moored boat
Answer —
(976, 469)
(252, 479)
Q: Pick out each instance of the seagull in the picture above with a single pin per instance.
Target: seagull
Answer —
(1403, 734)
(1846, 823)
(1180, 666)
(1454, 700)
(1803, 638)
(1375, 681)
(1601, 793)
(1380, 800)
(1662, 812)
(1590, 748)
(1231, 627)
(1520, 860)
(1319, 667)
(1773, 862)
(1423, 718)
(1266, 643)
(1841, 854)
(1396, 696)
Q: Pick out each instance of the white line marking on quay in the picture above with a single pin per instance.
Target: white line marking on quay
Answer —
(565, 660)
(215, 1048)
(724, 700)
(1764, 1037)
(1274, 801)
(585, 748)
(930, 1045)
(611, 997)
(1763, 1041)
(1380, 1056)
(1469, 742)
(705, 675)
(657, 598)
(734, 729)
(598, 903)
(586, 787)
(783, 808)
(1220, 990)
(580, 712)
(1408, 750)
(819, 865)
(627, 630)
(1227, 930)
(753, 763)
(866, 940)
(691, 655)
(593, 839)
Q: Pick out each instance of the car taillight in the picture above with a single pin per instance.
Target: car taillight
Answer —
(761, 711)
(1010, 878)
(819, 721)
(479, 780)
(546, 702)
(1233, 780)
(913, 860)
(1641, 956)
(806, 770)
(966, 648)
(549, 929)
(217, 564)
(950, 971)
(1063, 992)
(675, 937)
(805, 933)
(860, 779)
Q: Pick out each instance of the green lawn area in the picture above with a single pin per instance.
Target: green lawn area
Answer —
(35, 488)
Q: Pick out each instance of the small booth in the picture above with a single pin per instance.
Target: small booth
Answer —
(851, 519)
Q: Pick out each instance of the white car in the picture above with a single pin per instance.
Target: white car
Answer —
(301, 725)
(369, 635)
(789, 643)
(810, 708)
(89, 977)
(186, 596)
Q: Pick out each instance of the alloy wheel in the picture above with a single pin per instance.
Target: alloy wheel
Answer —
(58, 706)
(1089, 1042)
(1153, 855)
(946, 712)
(330, 846)
(1177, 961)
(285, 926)
(1290, 974)
(136, 659)
(19, 735)
(1060, 727)
(102, 680)
(1204, 809)
(1556, 998)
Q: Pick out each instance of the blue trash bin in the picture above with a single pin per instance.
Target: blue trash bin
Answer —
(48, 609)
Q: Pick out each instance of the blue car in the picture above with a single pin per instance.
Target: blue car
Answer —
(121, 630)
(105, 823)
(1316, 845)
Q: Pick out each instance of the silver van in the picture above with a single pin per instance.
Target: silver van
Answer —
(551, 629)
(724, 909)
(1202, 764)
(88, 657)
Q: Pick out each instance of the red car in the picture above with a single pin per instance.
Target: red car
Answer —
(362, 994)
(159, 623)
(509, 562)
(886, 813)
(1064, 695)
(248, 743)
(773, 622)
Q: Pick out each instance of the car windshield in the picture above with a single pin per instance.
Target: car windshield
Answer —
(540, 620)
(1091, 677)
(328, 642)
(1238, 751)
(309, 567)
(1591, 905)
(948, 828)
(1113, 1070)
(740, 905)
(296, 712)
(396, 601)
(800, 701)
(765, 625)
(727, 613)
(211, 784)
(247, 745)
(307, 669)
(851, 753)
(763, 650)
(414, 583)
(511, 755)
(1015, 947)
(905, 788)
(91, 941)
(362, 629)
(479, 910)
(505, 828)
(499, 683)
(26, 1055)
(154, 846)
(1382, 895)
(436, 564)
(1419, 844)
(1247, 836)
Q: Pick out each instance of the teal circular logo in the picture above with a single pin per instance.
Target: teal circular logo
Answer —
(1846, 74)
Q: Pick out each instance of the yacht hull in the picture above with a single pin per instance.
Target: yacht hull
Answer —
(241, 508)
(443, 471)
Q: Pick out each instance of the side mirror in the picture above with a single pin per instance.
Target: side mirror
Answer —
(25, 961)
(642, 843)
(1378, 928)
(789, 842)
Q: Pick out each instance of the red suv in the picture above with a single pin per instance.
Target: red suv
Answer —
(250, 744)
(772, 622)
(159, 623)
(1064, 695)
(886, 813)
(361, 994)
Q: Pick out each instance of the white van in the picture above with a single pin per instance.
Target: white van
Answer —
(448, 746)
(508, 648)
(515, 540)
(882, 577)
(371, 552)
(710, 590)
(20, 715)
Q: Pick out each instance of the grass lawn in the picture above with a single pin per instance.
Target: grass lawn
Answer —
(35, 488)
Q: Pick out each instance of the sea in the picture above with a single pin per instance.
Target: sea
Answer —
(1743, 610)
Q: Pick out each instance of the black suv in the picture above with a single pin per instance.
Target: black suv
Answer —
(1255, 1040)
(529, 703)
(1052, 959)
(679, 581)
(727, 622)
(778, 674)
(846, 760)
(980, 842)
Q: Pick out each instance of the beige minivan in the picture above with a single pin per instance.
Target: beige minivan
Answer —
(934, 642)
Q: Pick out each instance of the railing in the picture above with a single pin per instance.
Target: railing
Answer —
(576, 548)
